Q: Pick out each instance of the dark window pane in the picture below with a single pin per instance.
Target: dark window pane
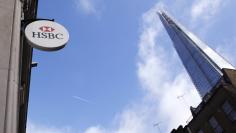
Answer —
(200, 131)
(229, 111)
(215, 125)
(227, 107)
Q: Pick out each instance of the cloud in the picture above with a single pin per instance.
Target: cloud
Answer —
(86, 6)
(36, 128)
(160, 103)
(149, 59)
(205, 8)
(96, 129)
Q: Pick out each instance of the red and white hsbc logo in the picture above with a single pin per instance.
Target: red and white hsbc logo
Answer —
(46, 29)
(46, 35)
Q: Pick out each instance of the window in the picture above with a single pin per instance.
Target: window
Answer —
(200, 131)
(229, 111)
(215, 125)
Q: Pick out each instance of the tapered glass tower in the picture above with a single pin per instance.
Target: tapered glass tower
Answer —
(203, 64)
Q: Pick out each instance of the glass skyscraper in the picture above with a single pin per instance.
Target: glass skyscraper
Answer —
(203, 64)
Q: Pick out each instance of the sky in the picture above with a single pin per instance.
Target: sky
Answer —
(119, 72)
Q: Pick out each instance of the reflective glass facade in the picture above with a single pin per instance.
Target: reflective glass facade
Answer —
(201, 62)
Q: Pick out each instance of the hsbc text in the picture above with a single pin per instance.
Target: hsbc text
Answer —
(47, 35)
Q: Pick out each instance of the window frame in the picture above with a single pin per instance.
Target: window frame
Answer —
(215, 125)
(229, 110)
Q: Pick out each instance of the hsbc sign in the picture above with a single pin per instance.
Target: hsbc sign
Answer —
(46, 35)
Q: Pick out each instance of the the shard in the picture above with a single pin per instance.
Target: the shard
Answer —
(203, 64)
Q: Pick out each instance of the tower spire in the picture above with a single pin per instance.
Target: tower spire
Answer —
(202, 63)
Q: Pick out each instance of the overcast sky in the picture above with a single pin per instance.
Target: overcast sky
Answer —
(119, 72)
